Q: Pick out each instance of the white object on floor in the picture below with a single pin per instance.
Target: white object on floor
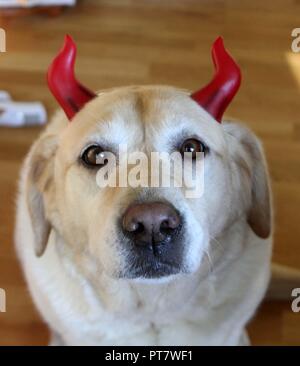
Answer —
(4, 95)
(31, 3)
(15, 114)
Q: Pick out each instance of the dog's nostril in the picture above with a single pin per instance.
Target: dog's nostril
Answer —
(139, 228)
(133, 226)
(165, 225)
(171, 223)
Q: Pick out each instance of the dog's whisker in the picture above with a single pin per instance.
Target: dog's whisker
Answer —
(207, 256)
(217, 242)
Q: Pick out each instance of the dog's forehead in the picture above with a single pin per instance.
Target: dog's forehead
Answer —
(141, 114)
(145, 105)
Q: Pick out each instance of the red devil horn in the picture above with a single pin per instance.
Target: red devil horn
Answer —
(216, 96)
(69, 93)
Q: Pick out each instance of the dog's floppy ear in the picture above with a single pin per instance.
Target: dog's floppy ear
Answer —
(250, 156)
(259, 216)
(40, 189)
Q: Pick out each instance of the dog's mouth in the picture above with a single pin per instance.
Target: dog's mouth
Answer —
(151, 268)
(155, 261)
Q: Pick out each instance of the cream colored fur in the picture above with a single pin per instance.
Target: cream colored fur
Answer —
(66, 229)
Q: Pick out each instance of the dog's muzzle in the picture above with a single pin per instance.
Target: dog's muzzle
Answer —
(154, 239)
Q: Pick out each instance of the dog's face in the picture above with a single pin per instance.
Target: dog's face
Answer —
(145, 232)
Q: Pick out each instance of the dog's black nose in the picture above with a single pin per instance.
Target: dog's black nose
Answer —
(151, 224)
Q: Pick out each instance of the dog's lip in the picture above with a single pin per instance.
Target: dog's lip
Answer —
(155, 269)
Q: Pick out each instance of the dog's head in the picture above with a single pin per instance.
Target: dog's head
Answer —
(137, 231)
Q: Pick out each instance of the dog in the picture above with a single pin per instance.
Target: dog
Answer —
(144, 265)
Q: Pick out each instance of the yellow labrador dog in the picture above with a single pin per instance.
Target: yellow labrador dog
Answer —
(144, 265)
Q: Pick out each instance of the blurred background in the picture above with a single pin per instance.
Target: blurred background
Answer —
(123, 42)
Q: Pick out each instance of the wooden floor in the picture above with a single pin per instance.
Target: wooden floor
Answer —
(168, 42)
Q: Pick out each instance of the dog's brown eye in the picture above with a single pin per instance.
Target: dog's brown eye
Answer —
(94, 156)
(193, 146)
